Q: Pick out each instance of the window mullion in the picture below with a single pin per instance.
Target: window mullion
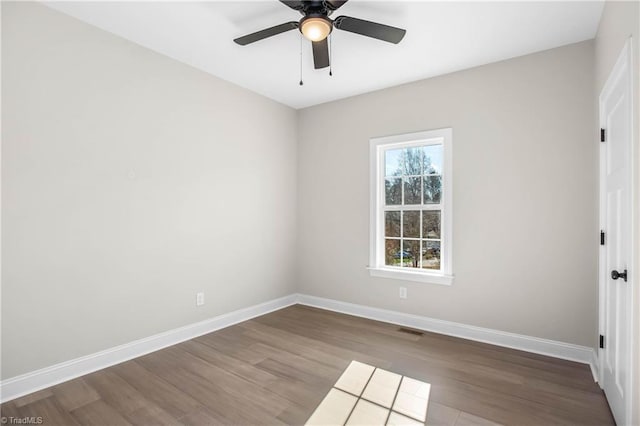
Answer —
(402, 237)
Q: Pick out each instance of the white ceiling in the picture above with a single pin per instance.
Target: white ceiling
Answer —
(442, 37)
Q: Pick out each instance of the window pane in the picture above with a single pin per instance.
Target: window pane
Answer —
(392, 224)
(432, 189)
(411, 224)
(431, 254)
(432, 159)
(410, 250)
(393, 191)
(412, 189)
(413, 161)
(431, 224)
(392, 252)
(393, 162)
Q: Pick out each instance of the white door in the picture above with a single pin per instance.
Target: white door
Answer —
(615, 220)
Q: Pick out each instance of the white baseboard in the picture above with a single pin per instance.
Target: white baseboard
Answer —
(521, 342)
(595, 366)
(24, 384)
(31, 382)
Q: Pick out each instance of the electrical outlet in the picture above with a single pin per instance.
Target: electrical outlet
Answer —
(403, 292)
(199, 299)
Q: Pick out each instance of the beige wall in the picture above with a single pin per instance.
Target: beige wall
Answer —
(130, 182)
(621, 20)
(525, 195)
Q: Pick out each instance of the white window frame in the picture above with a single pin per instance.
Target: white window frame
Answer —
(378, 146)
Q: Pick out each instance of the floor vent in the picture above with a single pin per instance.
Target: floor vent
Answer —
(411, 331)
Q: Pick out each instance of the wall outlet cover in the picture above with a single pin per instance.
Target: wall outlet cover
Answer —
(199, 299)
(403, 292)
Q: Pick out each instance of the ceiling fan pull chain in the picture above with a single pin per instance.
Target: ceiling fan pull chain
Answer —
(330, 55)
(301, 39)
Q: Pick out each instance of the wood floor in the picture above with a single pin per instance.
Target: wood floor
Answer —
(276, 369)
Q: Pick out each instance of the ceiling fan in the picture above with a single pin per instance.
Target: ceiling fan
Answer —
(316, 25)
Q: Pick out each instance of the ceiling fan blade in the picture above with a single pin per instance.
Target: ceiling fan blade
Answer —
(369, 29)
(334, 4)
(268, 32)
(320, 54)
(293, 4)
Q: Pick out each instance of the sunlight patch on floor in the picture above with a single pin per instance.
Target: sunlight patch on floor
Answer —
(366, 395)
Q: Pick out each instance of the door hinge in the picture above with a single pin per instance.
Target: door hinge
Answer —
(601, 341)
(601, 238)
(603, 134)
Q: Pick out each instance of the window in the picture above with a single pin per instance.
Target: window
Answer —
(411, 207)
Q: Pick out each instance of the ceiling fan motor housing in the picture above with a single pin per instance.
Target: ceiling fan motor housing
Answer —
(317, 7)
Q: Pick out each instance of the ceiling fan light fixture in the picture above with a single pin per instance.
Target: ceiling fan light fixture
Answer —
(315, 28)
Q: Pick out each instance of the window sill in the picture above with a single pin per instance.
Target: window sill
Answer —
(441, 279)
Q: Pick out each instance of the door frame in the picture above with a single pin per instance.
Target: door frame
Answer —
(624, 63)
